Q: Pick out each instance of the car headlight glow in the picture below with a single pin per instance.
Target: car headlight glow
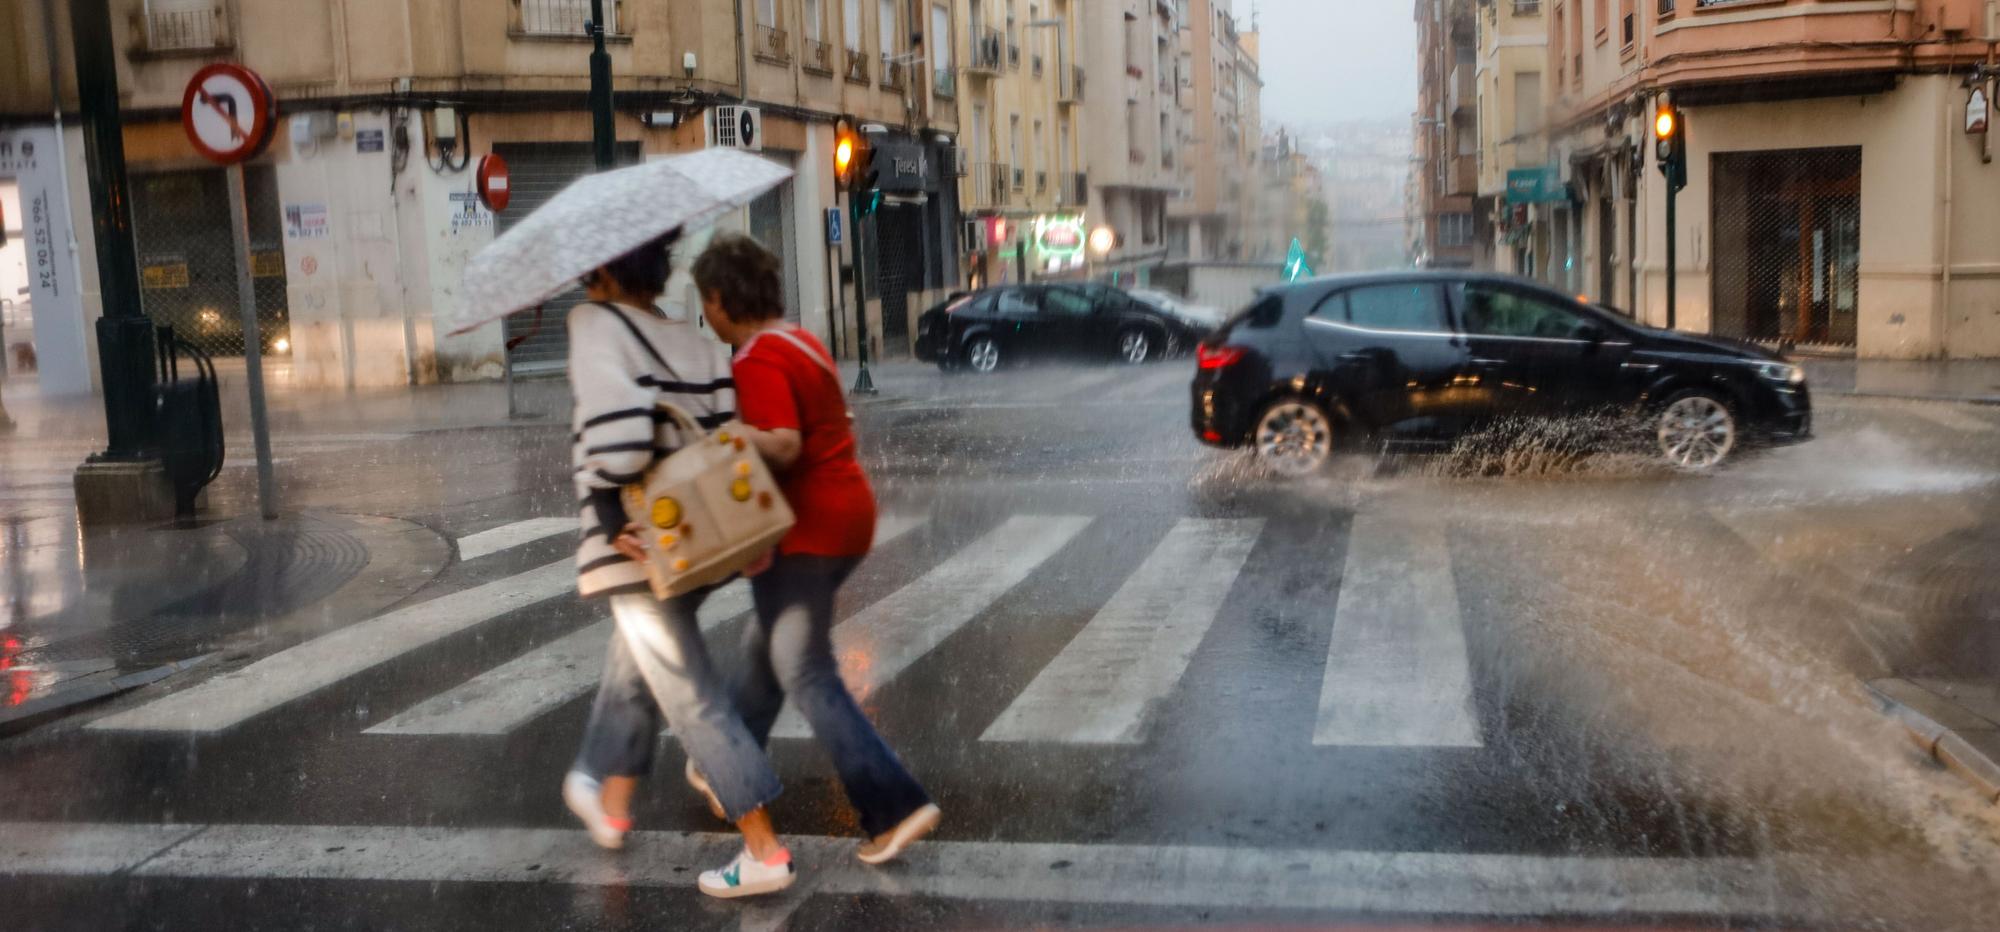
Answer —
(1781, 372)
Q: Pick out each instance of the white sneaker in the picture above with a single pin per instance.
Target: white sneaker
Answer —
(585, 798)
(885, 847)
(747, 876)
(700, 784)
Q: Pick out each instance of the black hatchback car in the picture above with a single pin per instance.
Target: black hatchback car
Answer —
(996, 326)
(1429, 356)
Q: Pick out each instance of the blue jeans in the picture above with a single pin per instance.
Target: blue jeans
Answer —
(658, 664)
(789, 651)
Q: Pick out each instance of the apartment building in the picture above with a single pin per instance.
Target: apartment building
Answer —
(362, 211)
(1445, 135)
(1023, 190)
(1837, 192)
(1514, 172)
(1223, 128)
(1134, 150)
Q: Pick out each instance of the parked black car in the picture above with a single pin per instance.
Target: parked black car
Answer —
(1429, 356)
(996, 326)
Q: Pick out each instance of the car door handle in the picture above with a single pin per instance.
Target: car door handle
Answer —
(1358, 357)
(1483, 361)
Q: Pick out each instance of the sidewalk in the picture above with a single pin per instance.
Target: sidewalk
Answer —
(1968, 380)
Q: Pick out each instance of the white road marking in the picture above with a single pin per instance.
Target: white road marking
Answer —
(293, 673)
(1104, 686)
(517, 692)
(888, 636)
(1396, 669)
(1184, 876)
(494, 540)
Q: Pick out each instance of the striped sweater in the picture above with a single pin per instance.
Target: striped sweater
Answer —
(622, 362)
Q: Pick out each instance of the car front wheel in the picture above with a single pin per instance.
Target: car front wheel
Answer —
(1696, 430)
(1135, 346)
(1294, 437)
(982, 354)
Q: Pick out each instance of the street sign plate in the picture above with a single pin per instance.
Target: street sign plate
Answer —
(228, 112)
(833, 230)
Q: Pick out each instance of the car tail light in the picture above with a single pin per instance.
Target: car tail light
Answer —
(1217, 357)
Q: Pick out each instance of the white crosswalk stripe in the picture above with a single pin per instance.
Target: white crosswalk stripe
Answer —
(507, 536)
(1104, 686)
(296, 672)
(1396, 670)
(887, 637)
(517, 692)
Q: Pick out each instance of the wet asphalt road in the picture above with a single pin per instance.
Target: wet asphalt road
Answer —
(1416, 689)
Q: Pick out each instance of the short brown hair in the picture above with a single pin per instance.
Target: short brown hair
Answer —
(744, 276)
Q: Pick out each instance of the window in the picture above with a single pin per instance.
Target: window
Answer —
(814, 29)
(852, 11)
(1016, 302)
(1556, 40)
(1067, 302)
(1527, 102)
(767, 13)
(938, 42)
(1041, 154)
(1602, 16)
(1414, 307)
(1014, 141)
(980, 151)
(1454, 230)
(1496, 312)
(1626, 23)
(886, 25)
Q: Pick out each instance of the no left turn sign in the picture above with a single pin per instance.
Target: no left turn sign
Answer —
(229, 112)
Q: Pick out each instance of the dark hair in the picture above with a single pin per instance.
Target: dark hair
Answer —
(743, 275)
(645, 270)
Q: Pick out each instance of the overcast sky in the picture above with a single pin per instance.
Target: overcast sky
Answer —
(1336, 60)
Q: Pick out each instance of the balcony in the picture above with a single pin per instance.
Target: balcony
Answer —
(944, 83)
(1464, 175)
(774, 45)
(816, 56)
(185, 27)
(988, 189)
(892, 74)
(987, 46)
(1463, 95)
(1071, 89)
(857, 67)
(1072, 189)
(559, 19)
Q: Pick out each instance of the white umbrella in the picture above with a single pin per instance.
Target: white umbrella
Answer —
(599, 218)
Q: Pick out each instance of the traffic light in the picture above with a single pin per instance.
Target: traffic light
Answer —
(1670, 144)
(853, 158)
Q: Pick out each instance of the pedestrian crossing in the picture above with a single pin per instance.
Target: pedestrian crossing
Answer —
(1396, 672)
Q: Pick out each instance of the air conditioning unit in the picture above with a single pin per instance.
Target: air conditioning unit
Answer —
(972, 235)
(736, 127)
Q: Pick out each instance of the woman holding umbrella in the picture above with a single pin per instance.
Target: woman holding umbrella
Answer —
(612, 231)
(791, 399)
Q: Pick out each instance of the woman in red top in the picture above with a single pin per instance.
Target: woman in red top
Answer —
(789, 393)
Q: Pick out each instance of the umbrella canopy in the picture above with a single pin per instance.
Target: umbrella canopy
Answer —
(599, 218)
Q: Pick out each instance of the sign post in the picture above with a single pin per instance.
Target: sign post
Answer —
(229, 114)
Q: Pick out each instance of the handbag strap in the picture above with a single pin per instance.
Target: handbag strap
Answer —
(648, 344)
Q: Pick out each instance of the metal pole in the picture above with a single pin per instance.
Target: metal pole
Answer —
(864, 384)
(253, 345)
(124, 335)
(603, 132)
(1670, 252)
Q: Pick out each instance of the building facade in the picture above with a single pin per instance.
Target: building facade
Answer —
(362, 211)
(1134, 149)
(1206, 220)
(1835, 197)
(1445, 134)
(1022, 186)
(1513, 51)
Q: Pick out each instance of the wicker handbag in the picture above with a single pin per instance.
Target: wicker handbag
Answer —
(707, 511)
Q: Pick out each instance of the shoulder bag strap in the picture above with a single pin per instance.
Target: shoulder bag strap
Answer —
(808, 350)
(648, 344)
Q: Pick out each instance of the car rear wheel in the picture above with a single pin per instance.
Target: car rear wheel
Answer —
(1135, 346)
(982, 354)
(1696, 430)
(1294, 437)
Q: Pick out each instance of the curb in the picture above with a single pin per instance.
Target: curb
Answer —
(1912, 396)
(56, 704)
(1961, 741)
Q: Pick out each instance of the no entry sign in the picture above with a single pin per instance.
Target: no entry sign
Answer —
(228, 112)
(492, 181)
